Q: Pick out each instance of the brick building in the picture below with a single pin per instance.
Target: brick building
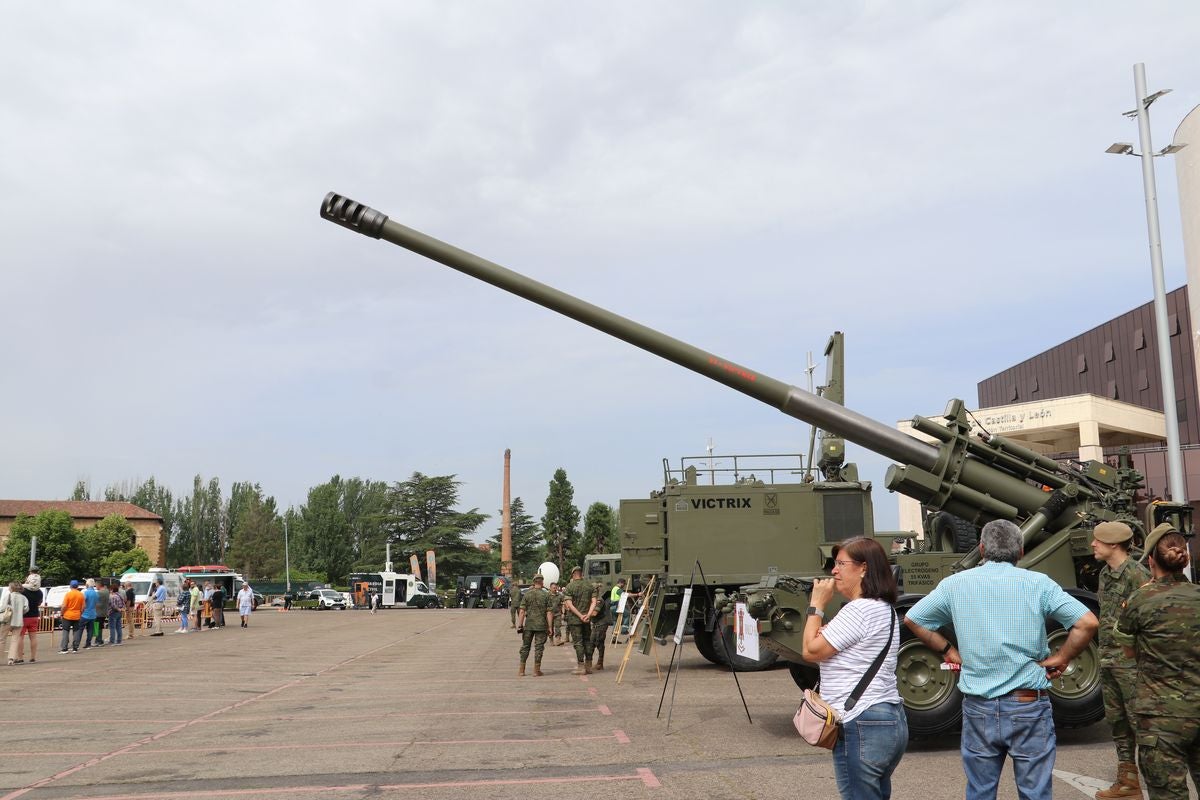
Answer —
(147, 526)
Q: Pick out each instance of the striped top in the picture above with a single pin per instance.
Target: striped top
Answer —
(999, 613)
(858, 632)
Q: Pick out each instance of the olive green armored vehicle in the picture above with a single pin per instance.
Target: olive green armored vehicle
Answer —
(976, 477)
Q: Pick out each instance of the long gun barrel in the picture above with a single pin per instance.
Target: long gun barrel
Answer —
(976, 479)
(792, 400)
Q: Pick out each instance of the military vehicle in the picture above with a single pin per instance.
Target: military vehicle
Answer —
(721, 521)
(975, 477)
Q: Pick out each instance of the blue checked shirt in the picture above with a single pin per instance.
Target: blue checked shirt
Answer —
(999, 613)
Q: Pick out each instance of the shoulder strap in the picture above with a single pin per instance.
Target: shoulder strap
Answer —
(869, 675)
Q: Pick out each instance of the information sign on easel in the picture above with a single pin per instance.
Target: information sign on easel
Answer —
(745, 628)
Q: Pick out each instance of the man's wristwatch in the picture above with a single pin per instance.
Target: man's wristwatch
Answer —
(813, 611)
(946, 649)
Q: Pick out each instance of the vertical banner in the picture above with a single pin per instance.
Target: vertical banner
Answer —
(431, 569)
(415, 565)
(683, 614)
(745, 629)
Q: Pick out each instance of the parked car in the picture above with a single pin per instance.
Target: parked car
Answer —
(328, 598)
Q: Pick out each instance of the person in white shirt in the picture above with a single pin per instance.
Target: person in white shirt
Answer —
(874, 729)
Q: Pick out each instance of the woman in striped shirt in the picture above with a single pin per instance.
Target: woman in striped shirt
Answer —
(874, 730)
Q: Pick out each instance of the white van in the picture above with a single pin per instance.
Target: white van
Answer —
(395, 590)
(143, 581)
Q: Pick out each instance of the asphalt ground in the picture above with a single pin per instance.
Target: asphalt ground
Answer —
(334, 705)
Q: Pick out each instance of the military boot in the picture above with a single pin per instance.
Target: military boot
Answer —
(587, 667)
(521, 670)
(537, 669)
(599, 663)
(578, 669)
(1126, 785)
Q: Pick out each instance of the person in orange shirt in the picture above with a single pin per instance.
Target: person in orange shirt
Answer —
(72, 618)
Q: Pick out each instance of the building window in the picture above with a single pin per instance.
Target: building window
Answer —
(1139, 339)
(1110, 354)
(1111, 390)
(1143, 381)
(1033, 387)
(1081, 364)
(1181, 410)
(1012, 392)
(1173, 325)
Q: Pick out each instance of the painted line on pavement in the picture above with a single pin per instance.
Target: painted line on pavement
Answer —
(204, 718)
(620, 737)
(643, 774)
(401, 714)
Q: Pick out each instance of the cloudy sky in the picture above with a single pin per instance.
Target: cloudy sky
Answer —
(928, 177)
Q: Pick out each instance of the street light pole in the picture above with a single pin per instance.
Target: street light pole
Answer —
(287, 566)
(1175, 478)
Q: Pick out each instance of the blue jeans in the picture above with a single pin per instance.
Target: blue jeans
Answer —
(115, 631)
(868, 752)
(1024, 731)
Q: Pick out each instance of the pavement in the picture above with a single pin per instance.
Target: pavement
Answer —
(405, 703)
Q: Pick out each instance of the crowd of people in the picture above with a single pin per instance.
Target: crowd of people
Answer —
(92, 607)
(989, 625)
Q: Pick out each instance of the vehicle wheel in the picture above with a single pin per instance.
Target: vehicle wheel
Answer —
(727, 655)
(1076, 696)
(949, 529)
(806, 676)
(932, 701)
(705, 644)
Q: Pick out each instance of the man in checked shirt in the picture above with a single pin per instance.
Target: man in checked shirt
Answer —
(999, 613)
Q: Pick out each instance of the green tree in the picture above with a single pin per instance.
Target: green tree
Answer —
(157, 500)
(527, 551)
(59, 555)
(81, 491)
(113, 534)
(599, 532)
(365, 504)
(256, 541)
(118, 561)
(200, 524)
(423, 517)
(560, 523)
(324, 535)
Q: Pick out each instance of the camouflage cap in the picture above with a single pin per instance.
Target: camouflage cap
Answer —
(1156, 534)
(576, 569)
(538, 578)
(1112, 533)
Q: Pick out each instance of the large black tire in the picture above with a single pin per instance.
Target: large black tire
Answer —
(956, 531)
(1076, 696)
(806, 676)
(705, 644)
(932, 701)
(727, 656)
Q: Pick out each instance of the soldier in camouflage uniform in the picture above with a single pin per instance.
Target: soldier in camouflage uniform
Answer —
(601, 620)
(1160, 626)
(533, 623)
(514, 597)
(579, 603)
(556, 599)
(1119, 578)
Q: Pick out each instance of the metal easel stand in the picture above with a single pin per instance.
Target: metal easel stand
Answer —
(709, 625)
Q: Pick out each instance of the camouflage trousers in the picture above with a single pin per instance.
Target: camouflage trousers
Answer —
(1117, 684)
(512, 612)
(1168, 749)
(581, 637)
(536, 639)
(599, 634)
(556, 626)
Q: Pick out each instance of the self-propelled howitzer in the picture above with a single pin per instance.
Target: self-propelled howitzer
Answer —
(976, 478)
